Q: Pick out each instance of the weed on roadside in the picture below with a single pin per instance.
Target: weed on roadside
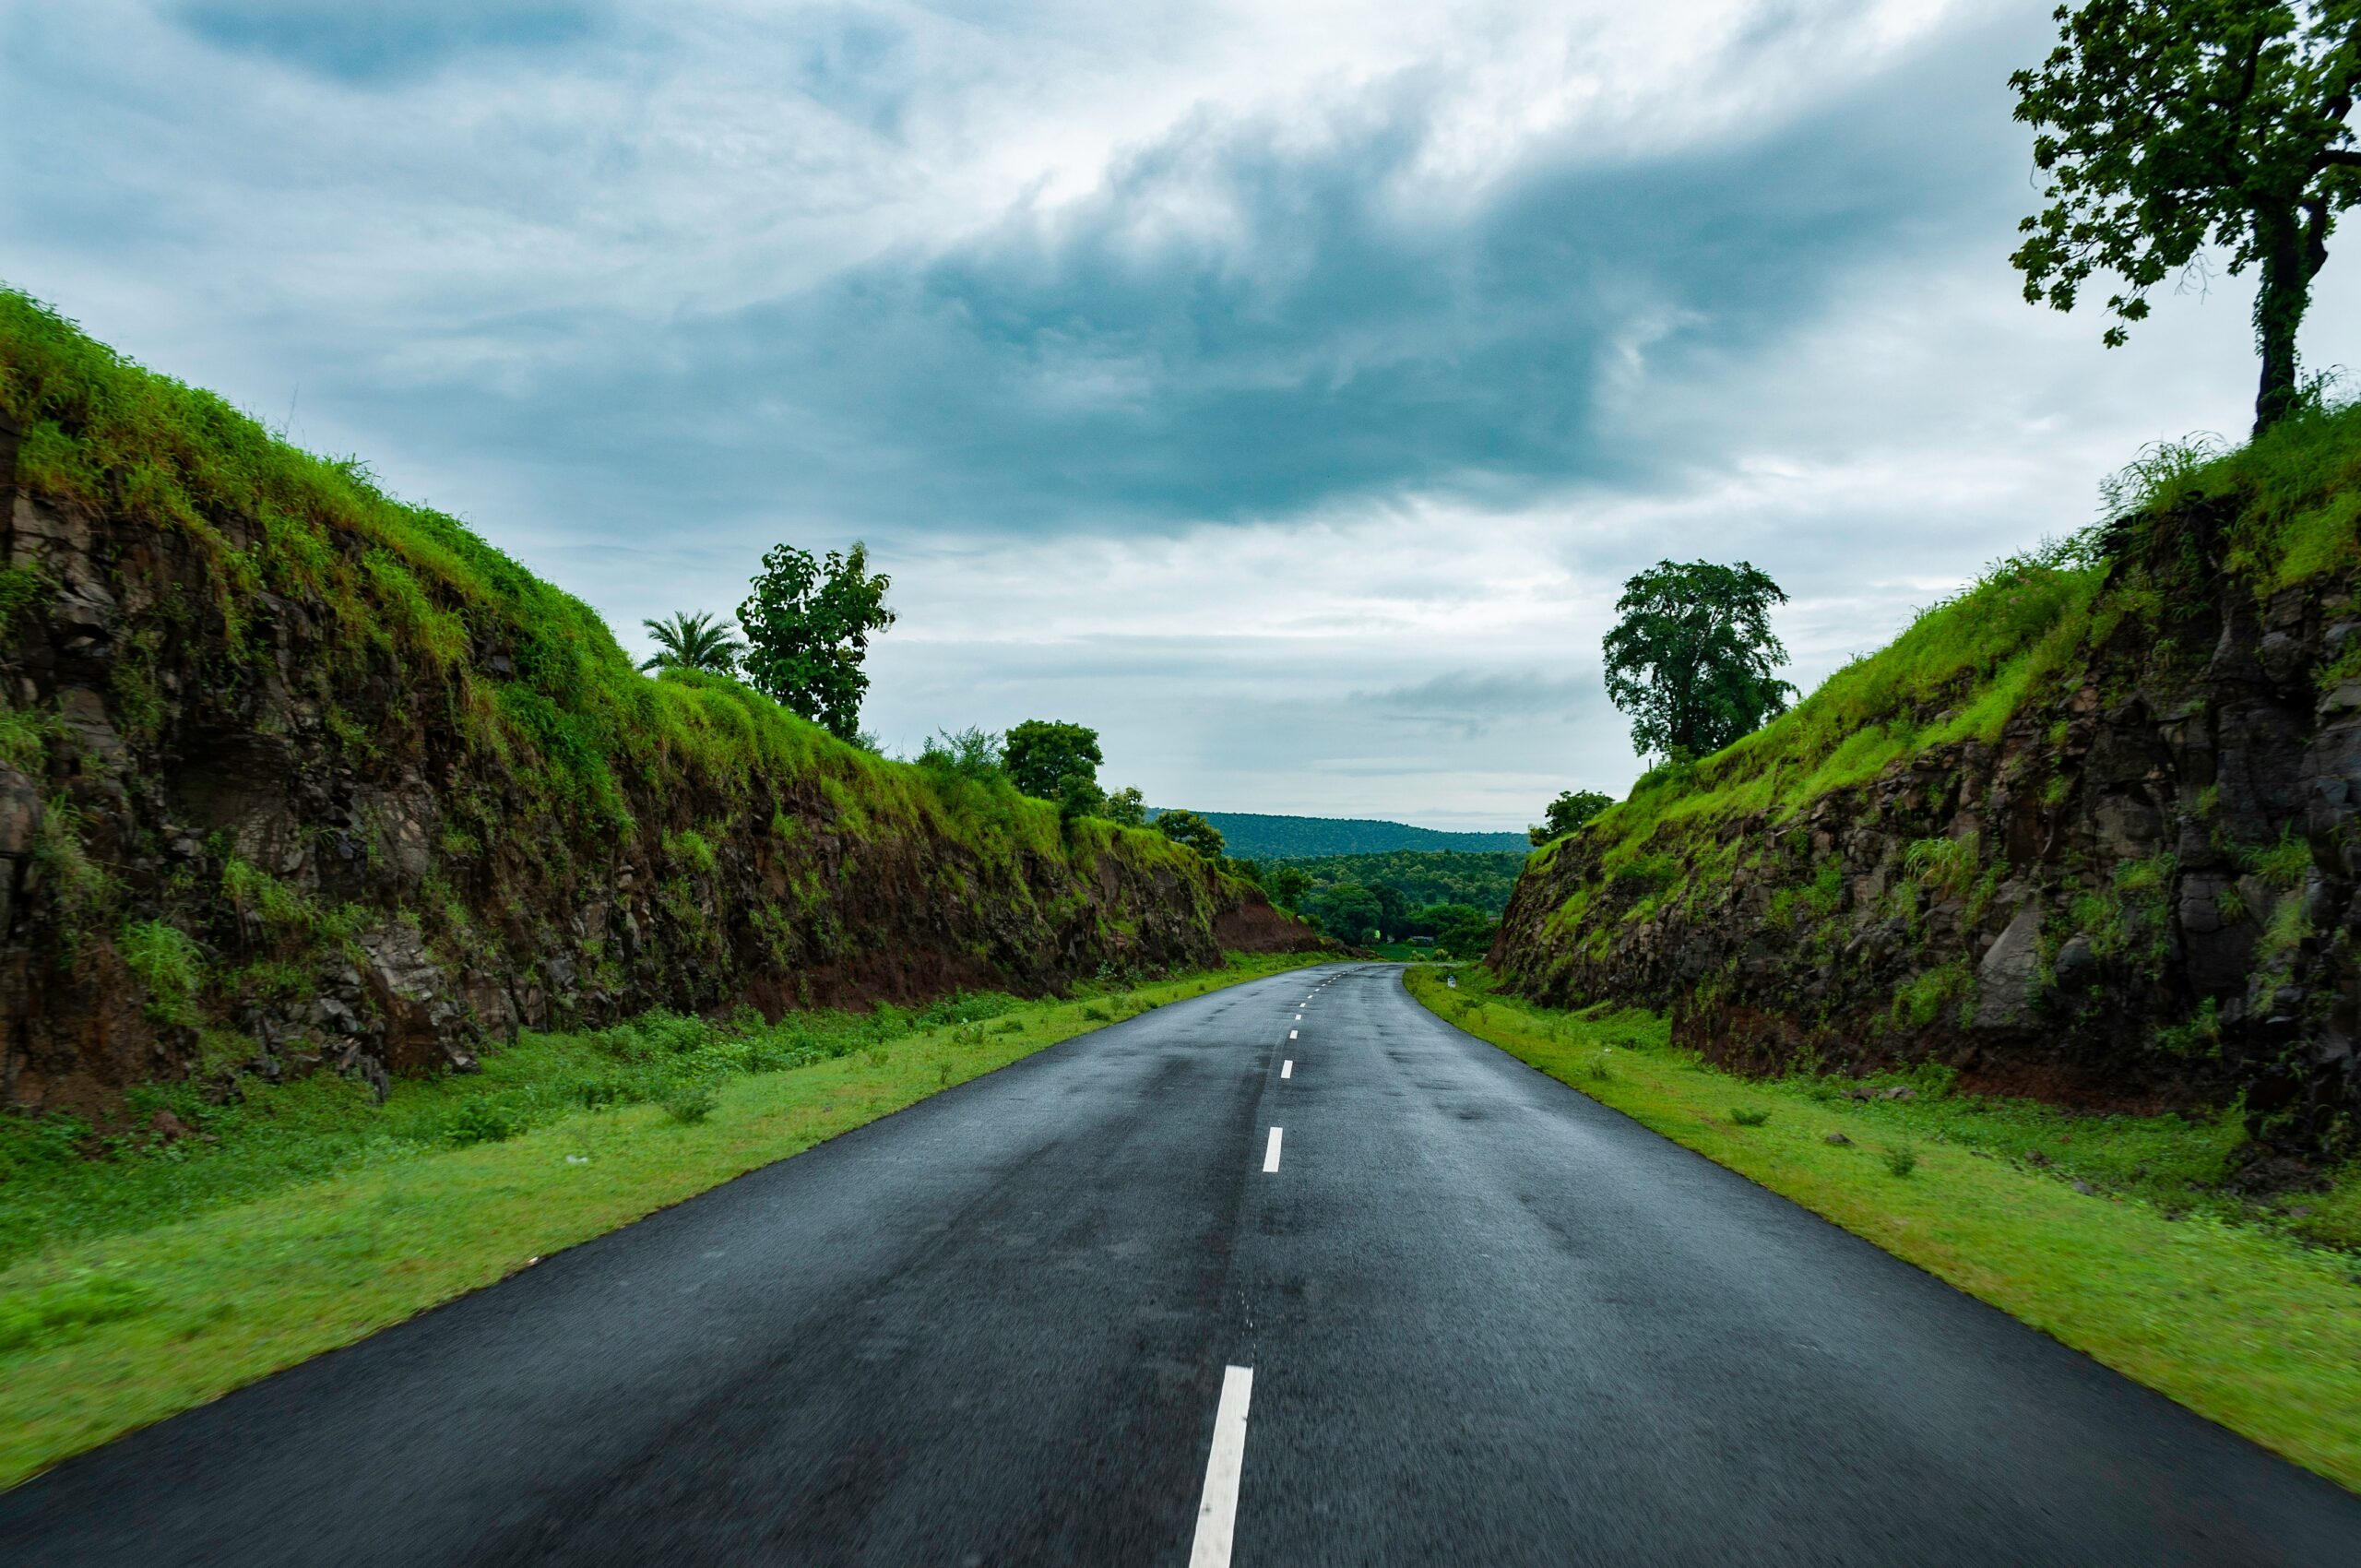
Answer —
(1743, 1117)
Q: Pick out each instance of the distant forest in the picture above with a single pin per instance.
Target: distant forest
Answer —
(1250, 836)
(1421, 876)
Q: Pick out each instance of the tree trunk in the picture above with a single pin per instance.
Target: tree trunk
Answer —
(2278, 311)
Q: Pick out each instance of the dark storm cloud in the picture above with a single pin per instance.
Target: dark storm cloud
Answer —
(1471, 701)
(373, 42)
(1237, 325)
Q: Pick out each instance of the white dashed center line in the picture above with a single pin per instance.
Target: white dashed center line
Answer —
(1291, 1034)
(1271, 1154)
(1217, 1514)
(1287, 1069)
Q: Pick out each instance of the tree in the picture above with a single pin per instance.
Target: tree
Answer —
(699, 641)
(1040, 756)
(1189, 828)
(1467, 938)
(972, 753)
(1567, 811)
(2166, 125)
(1288, 885)
(1691, 658)
(809, 626)
(1350, 910)
(1078, 796)
(1127, 807)
(1437, 919)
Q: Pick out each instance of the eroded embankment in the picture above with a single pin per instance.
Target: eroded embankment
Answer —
(2086, 832)
(291, 773)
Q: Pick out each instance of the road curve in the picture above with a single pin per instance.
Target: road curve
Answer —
(1488, 1321)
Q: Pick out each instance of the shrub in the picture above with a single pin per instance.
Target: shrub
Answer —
(597, 1092)
(691, 1103)
(166, 960)
(1943, 865)
(482, 1121)
(1901, 1159)
(1745, 1118)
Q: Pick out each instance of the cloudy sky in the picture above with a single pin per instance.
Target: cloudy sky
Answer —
(1284, 388)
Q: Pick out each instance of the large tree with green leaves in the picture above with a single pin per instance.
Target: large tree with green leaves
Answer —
(1189, 828)
(1691, 658)
(1041, 757)
(2167, 126)
(692, 641)
(808, 624)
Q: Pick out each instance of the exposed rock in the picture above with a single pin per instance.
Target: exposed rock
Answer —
(2112, 941)
(376, 881)
(2008, 979)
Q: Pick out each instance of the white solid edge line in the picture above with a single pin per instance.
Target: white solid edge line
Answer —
(1218, 1513)
(1287, 1069)
(1271, 1151)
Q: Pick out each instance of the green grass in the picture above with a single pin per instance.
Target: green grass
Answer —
(154, 1276)
(2110, 1233)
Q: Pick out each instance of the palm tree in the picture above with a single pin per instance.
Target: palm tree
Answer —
(694, 642)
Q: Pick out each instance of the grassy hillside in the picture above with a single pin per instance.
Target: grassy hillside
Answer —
(294, 773)
(2030, 627)
(1254, 837)
(2086, 829)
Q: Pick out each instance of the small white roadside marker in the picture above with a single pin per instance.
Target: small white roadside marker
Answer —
(1287, 1069)
(1217, 1514)
(1271, 1153)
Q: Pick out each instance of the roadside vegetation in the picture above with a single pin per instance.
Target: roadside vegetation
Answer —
(142, 1272)
(2120, 1236)
(1399, 902)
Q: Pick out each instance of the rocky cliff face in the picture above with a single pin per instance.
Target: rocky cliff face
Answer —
(2144, 889)
(280, 790)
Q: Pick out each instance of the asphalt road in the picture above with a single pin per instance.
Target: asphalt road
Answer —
(1486, 1321)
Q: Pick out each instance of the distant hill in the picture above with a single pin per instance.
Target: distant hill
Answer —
(1254, 837)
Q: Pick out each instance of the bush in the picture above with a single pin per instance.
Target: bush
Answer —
(1901, 1159)
(597, 1092)
(480, 1122)
(165, 959)
(691, 1103)
(1746, 1118)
